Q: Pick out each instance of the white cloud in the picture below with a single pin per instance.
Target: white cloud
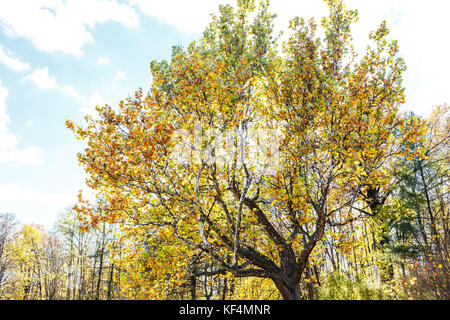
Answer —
(43, 80)
(95, 99)
(187, 16)
(4, 118)
(14, 192)
(119, 76)
(7, 58)
(61, 25)
(421, 31)
(21, 157)
(28, 123)
(70, 91)
(103, 60)
(31, 205)
(9, 153)
(194, 16)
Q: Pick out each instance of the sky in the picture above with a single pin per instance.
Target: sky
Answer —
(61, 58)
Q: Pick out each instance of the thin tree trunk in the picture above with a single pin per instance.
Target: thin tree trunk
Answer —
(100, 269)
(110, 281)
(430, 212)
(69, 271)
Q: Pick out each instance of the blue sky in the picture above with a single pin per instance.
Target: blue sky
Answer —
(59, 58)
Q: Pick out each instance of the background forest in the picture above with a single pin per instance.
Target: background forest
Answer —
(359, 208)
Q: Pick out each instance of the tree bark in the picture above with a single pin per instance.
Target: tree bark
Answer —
(289, 289)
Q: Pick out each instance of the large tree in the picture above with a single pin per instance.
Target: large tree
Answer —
(245, 151)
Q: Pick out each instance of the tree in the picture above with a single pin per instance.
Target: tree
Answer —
(422, 196)
(26, 252)
(7, 226)
(285, 143)
(87, 264)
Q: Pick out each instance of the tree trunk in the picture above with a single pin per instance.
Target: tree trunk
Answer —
(434, 232)
(100, 269)
(224, 291)
(110, 282)
(289, 289)
(193, 287)
(69, 271)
